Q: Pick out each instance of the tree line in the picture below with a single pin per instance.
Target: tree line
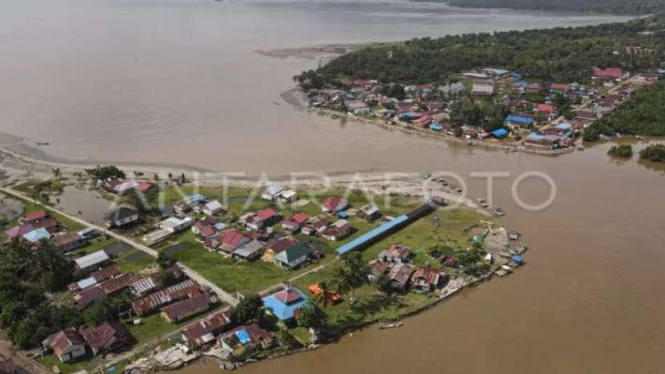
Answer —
(596, 6)
(642, 114)
(556, 55)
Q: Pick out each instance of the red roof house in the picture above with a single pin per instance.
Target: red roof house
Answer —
(608, 73)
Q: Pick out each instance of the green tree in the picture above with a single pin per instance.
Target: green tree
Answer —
(248, 310)
(312, 316)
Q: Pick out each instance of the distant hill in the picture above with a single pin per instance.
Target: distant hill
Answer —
(596, 6)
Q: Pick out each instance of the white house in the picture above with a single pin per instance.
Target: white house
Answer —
(272, 191)
(212, 208)
(175, 224)
(67, 345)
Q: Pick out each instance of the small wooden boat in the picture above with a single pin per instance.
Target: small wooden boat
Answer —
(43, 143)
(391, 325)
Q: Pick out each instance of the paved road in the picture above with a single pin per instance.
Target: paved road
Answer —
(223, 295)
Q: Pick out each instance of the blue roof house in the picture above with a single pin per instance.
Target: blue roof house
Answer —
(515, 119)
(285, 304)
(37, 235)
(500, 133)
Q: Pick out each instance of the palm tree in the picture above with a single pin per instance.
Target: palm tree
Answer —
(325, 297)
(342, 279)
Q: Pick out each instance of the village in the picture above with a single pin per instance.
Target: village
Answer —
(269, 265)
(536, 117)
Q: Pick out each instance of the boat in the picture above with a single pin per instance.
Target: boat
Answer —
(521, 249)
(391, 325)
(43, 143)
(639, 137)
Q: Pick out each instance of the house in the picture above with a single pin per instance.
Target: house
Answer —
(181, 310)
(400, 275)
(285, 304)
(68, 345)
(293, 256)
(88, 233)
(315, 225)
(127, 186)
(19, 231)
(36, 235)
(287, 196)
(560, 88)
(337, 231)
(369, 212)
(271, 192)
(33, 217)
(500, 133)
(276, 246)
(110, 336)
(105, 273)
(156, 300)
(249, 251)
(243, 340)
(547, 109)
(377, 268)
(189, 203)
(333, 205)
(520, 120)
(213, 207)
(534, 140)
(8, 366)
(232, 239)
(427, 279)
(358, 108)
(175, 224)
(264, 218)
(156, 236)
(95, 259)
(295, 222)
(585, 115)
(203, 332)
(608, 73)
(88, 296)
(482, 89)
(533, 87)
(122, 216)
(143, 287)
(397, 253)
(68, 241)
(119, 283)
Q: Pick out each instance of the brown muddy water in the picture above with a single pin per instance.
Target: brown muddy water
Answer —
(588, 301)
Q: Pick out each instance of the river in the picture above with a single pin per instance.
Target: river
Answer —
(180, 81)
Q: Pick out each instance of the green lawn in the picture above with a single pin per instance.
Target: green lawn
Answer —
(66, 368)
(151, 327)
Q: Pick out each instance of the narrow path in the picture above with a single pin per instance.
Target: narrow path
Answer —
(223, 295)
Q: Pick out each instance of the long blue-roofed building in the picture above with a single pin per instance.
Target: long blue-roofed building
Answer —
(387, 228)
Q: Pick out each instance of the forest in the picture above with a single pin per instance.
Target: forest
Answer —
(558, 55)
(642, 114)
(595, 6)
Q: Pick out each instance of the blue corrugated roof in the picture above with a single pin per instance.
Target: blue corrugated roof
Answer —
(371, 235)
(535, 136)
(564, 126)
(282, 311)
(500, 133)
(243, 336)
(520, 119)
(37, 235)
(436, 127)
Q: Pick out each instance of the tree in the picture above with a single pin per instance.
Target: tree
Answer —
(56, 173)
(655, 153)
(623, 151)
(325, 297)
(164, 260)
(105, 172)
(249, 309)
(313, 317)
